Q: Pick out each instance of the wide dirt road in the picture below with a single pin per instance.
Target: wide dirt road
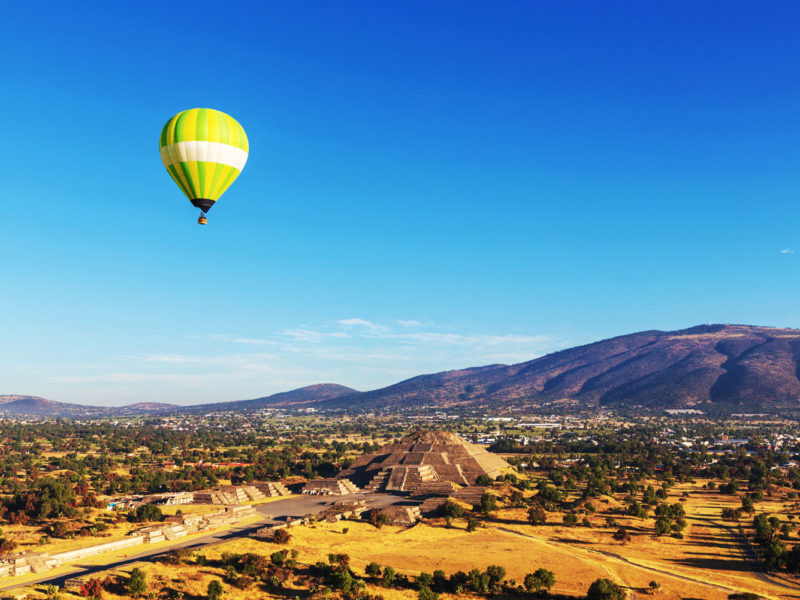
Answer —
(280, 511)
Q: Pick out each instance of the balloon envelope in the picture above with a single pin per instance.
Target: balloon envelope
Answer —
(204, 151)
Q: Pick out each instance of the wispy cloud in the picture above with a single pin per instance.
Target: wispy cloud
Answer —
(361, 323)
(234, 339)
(408, 323)
(314, 337)
(787, 251)
(353, 351)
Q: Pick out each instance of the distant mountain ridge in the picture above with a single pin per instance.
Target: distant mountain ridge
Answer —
(308, 395)
(728, 365)
(36, 406)
(742, 367)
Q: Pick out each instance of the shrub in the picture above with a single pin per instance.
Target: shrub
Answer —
(137, 583)
(488, 502)
(452, 509)
(662, 527)
(6, 545)
(605, 589)
(51, 591)
(426, 593)
(389, 576)
(540, 580)
(93, 588)
(622, 535)
(60, 529)
(342, 580)
(570, 520)
(378, 518)
(478, 582)
(177, 556)
(214, 590)
(496, 573)
(281, 536)
(148, 512)
(537, 515)
(373, 569)
(439, 579)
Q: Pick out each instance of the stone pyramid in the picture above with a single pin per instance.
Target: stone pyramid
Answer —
(424, 462)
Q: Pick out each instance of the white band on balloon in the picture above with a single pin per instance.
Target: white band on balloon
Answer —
(204, 152)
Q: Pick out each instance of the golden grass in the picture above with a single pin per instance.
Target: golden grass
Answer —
(708, 563)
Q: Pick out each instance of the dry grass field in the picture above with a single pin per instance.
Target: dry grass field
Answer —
(710, 562)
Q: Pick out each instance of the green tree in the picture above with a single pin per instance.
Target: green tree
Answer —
(478, 581)
(605, 589)
(137, 583)
(496, 573)
(426, 593)
(389, 575)
(540, 580)
(662, 527)
(537, 515)
(488, 502)
(214, 589)
(483, 480)
(148, 512)
(774, 556)
(452, 509)
(373, 569)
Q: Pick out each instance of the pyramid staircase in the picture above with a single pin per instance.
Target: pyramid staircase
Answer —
(234, 494)
(378, 482)
(271, 489)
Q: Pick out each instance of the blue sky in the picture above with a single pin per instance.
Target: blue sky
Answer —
(431, 185)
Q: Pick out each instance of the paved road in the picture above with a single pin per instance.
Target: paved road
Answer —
(280, 511)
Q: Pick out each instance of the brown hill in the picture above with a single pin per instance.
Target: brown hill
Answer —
(36, 406)
(732, 365)
(311, 394)
(741, 367)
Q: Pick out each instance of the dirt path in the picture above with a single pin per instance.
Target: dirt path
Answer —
(623, 560)
(751, 558)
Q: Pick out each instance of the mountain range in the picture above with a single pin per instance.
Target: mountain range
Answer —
(737, 367)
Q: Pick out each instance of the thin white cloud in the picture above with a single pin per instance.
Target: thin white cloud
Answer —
(356, 352)
(787, 251)
(309, 335)
(361, 323)
(234, 339)
(409, 323)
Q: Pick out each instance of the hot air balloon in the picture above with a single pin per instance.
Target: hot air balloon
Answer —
(204, 151)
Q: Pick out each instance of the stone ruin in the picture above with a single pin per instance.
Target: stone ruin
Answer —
(173, 527)
(425, 463)
(239, 494)
(332, 486)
